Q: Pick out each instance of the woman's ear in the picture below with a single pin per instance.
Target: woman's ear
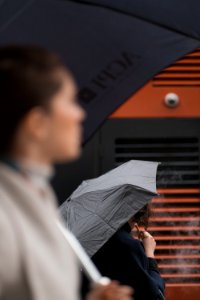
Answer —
(36, 124)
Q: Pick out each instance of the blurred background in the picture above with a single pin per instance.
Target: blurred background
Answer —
(161, 122)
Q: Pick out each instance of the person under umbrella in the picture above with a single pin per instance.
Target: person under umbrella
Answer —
(40, 124)
(131, 260)
(99, 212)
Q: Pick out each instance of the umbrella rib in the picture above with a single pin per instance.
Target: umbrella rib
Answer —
(119, 186)
(16, 15)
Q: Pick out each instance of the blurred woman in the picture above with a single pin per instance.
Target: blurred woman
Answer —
(40, 124)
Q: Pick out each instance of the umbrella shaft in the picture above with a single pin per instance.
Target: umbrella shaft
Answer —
(85, 262)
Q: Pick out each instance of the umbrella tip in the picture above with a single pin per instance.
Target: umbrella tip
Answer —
(104, 281)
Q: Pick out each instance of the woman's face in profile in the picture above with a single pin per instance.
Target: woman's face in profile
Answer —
(64, 126)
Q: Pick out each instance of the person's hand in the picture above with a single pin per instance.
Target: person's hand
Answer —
(148, 242)
(112, 291)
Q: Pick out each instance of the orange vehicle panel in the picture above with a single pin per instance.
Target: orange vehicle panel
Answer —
(183, 79)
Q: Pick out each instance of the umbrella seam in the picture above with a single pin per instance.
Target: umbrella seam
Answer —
(73, 198)
(16, 15)
(138, 17)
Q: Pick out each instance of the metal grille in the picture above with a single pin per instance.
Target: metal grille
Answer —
(184, 73)
(175, 223)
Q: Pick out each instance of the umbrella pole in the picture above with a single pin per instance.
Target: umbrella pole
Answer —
(88, 266)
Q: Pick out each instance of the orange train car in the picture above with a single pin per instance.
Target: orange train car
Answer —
(172, 98)
(161, 122)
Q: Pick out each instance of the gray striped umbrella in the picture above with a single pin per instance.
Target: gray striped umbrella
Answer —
(100, 206)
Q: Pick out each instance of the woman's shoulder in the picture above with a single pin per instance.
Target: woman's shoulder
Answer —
(9, 253)
(128, 240)
(132, 248)
(7, 227)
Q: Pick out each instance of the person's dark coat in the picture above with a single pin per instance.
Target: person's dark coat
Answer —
(123, 258)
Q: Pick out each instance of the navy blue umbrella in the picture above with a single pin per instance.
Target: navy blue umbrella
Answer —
(113, 47)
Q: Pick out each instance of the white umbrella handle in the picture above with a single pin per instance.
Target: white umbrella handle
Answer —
(86, 263)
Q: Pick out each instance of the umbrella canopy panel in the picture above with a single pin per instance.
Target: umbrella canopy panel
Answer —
(112, 51)
(178, 15)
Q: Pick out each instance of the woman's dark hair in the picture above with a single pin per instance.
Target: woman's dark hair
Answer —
(28, 78)
(142, 216)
